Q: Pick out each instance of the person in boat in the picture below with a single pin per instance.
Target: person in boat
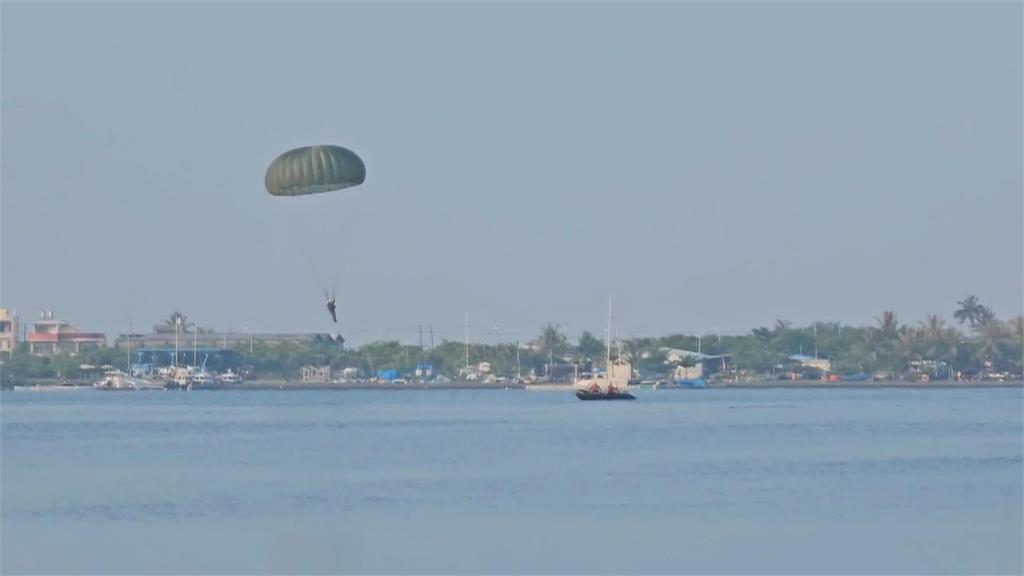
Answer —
(332, 309)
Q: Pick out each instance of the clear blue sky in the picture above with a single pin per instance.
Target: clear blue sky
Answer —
(713, 167)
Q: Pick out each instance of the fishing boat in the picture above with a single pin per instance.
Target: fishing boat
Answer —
(613, 382)
(114, 380)
(202, 379)
(229, 377)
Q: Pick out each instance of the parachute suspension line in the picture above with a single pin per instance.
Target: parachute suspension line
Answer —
(347, 244)
(313, 268)
(353, 235)
(289, 255)
(327, 289)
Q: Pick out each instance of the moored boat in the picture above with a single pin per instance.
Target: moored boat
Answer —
(681, 383)
(115, 380)
(613, 382)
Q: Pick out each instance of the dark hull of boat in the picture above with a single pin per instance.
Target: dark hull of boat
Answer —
(584, 395)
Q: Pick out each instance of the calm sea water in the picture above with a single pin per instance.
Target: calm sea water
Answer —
(714, 481)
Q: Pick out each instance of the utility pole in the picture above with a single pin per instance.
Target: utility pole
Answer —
(129, 343)
(467, 340)
(431, 337)
(519, 372)
(177, 328)
(608, 342)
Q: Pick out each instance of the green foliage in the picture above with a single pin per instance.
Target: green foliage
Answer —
(552, 341)
(887, 347)
(177, 317)
(972, 311)
(589, 347)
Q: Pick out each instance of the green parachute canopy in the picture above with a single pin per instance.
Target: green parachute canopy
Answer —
(314, 169)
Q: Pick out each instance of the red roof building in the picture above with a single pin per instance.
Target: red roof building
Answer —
(49, 336)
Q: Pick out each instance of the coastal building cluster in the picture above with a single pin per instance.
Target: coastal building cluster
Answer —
(183, 354)
(49, 335)
(179, 354)
(174, 354)
(8, 332)
(46, 336)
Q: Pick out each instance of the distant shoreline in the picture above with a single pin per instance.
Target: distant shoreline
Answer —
(362, 385)
(868, 384)
(286, 385)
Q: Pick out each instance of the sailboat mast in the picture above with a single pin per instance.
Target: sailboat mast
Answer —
(519, 371)
(467, 340)
(129, 343)
(608, 340)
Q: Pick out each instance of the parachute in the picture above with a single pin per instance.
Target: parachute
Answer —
(314, 169)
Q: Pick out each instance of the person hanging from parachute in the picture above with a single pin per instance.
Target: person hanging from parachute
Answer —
(331, 307)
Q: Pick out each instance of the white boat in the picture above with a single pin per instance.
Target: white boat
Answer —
(142, 383)
(229, 377)
(180, 378)
(115, 380)
(118, 380)
(202, 379)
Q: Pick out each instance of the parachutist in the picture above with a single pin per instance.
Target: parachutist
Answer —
(331, 309)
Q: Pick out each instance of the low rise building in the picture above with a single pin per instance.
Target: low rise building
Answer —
(165, 337)
(50, 336)
(690, 365)
(8, 332)
(821, 364)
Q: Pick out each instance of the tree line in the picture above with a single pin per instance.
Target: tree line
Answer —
(976, 342)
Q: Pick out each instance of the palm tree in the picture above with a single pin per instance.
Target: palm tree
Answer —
(589, 346)
(949, 343)
(990, 336)
(908, 342)
(176, 318)
(1017, 327)
(932, 327)
(972, 311)
(934, 337)
(887, 324)
(882, 342)
(552, 342)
